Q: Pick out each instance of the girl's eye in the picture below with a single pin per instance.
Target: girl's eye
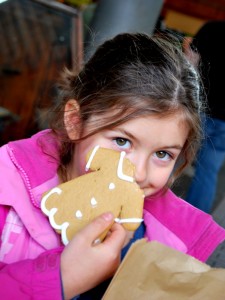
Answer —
(163, 155)
(122, 143)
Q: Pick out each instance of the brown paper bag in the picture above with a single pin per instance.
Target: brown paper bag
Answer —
(151, 270)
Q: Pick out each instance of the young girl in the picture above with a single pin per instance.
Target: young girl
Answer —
(136, 94)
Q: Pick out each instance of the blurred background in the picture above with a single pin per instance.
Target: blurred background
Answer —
(41, 37)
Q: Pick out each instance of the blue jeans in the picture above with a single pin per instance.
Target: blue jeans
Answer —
(209, 161)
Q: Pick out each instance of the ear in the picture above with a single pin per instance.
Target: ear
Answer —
(72, 119)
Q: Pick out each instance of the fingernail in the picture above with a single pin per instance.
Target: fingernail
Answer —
(108, 216)
(96, 242)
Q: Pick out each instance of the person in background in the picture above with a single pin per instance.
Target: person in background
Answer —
(207, 52)
(137, 94)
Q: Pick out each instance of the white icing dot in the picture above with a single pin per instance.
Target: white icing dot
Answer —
(79, 214)
(112, 186)
(93, 202)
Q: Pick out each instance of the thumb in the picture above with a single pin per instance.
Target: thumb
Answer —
(95, 229)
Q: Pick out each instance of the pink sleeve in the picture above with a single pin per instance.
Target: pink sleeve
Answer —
(38, 279)
(197, 232)
(208, 241)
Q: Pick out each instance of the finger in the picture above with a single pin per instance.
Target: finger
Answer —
(115, 240)
(93, 230)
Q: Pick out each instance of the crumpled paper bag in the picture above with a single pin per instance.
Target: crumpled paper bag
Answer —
(151, 270)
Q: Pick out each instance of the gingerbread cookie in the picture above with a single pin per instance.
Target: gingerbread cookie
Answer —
(109, 187)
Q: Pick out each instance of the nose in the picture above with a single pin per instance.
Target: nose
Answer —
(141, 171)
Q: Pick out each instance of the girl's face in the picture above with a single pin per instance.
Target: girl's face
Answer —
(151, 143)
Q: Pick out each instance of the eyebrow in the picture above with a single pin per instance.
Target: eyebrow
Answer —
(178, 147)
(127, 133)
(131, 136)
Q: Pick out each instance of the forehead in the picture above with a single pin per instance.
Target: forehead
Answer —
(166, 126)
(115, 118)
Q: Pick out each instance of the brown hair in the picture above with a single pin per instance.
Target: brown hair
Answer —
(132, 75)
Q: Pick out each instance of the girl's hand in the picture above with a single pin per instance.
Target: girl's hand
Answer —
(85, 264)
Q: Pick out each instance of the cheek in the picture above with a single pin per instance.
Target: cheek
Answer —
(82, 166)
(160, 178)
(79, 168)
(79, 163)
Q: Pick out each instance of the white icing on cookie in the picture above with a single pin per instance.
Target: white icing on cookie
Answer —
(93, 202)
(51, 213)
(64, 238)
(63, 227)
(91, 158)
(120, 169)
(79, 214)
(129, 220)
(112, 186)
(43, 201)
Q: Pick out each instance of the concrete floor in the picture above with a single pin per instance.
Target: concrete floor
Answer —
(217, 259)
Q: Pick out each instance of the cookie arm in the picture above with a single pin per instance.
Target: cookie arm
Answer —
(51, 214)
(131, 215)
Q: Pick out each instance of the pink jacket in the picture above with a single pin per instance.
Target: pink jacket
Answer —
(30, 248)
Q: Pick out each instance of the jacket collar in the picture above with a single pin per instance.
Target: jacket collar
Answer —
(37, 157)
